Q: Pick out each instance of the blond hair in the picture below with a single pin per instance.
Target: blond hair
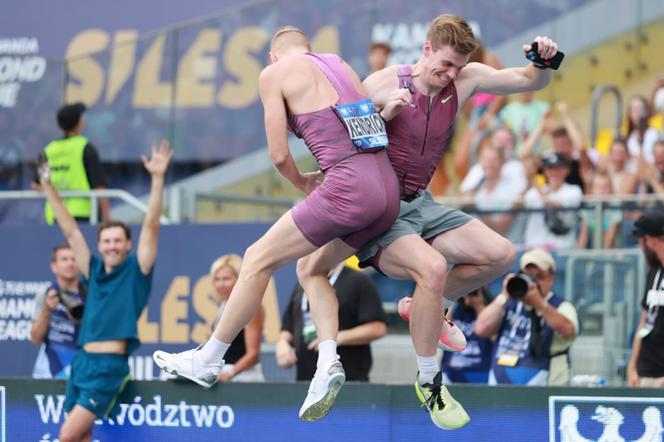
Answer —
(454, 31)
(289, 36)
(232, 261)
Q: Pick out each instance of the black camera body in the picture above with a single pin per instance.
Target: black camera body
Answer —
(75, 305)
(518, 285)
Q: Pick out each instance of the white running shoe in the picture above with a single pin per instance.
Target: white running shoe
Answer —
(323, 391)
(182, 364)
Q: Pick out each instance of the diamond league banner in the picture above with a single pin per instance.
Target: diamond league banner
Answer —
(33, 411)
(195, 79)
(181, 306)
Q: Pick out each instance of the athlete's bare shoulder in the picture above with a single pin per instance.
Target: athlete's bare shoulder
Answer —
(473, 71)
(286, 65)
(386, 79)
(295, 69)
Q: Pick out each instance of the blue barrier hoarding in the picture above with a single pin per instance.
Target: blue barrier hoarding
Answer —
(254, 412)
(180, 310)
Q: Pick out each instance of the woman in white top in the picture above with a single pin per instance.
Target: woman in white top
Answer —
(242, 360)
(640, 136)
(495, 191)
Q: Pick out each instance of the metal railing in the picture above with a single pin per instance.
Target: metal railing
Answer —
(93, 195)
(598, 204)
(606, 284)
(276, 205)
(598, 93)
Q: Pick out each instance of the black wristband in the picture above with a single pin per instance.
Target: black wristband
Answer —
(540, 66)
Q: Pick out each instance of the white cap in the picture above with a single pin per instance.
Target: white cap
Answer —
(540, 258)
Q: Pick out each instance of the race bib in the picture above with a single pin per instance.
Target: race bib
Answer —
(365, 127)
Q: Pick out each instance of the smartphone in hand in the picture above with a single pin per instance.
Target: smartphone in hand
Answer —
(553, 62)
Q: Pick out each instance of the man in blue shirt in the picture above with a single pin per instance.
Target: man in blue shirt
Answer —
(118, 288)
(53, 325)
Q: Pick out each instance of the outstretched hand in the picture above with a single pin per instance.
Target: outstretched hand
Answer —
(43, 169)
(546, 47)
(161, 156)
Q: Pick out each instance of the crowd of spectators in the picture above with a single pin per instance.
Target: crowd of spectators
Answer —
(535, 168)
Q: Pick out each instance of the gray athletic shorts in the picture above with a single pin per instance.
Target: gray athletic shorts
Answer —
(421, 216)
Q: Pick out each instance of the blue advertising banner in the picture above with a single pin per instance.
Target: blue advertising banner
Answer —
(33, 411)
(197, 82)
(181, 306)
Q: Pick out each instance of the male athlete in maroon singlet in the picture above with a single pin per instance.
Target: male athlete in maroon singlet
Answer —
(320, 98)
(419, 103)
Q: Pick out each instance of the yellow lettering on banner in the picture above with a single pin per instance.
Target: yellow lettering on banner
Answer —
(197, 70)
(123, 57)
(148, 332)
(205, 307)
(87, 75)
(149, 91)
(245, 68)
(174, 311)
(326, 40)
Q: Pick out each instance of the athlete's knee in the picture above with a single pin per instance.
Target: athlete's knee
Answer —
(431, 275)
(310, 267)
(257, 259)
(504, 253)
(304, 268)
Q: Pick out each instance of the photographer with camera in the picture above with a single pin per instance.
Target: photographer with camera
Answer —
(535, 327)
(57, 317)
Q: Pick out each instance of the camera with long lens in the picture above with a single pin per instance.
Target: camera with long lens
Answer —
(518, 285)
(75, 305)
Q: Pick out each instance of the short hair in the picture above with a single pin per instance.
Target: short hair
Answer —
(509, 131)
(497, 149)
(619, 140)
(289, 36)
(112, 223)
(560, 132)
(380, 45)
(231, 260)
(454, 31)
(56, 249)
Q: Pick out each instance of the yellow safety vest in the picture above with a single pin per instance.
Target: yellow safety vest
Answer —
(65, 158)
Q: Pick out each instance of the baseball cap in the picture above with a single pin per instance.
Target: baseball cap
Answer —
(69, 114)
(554, 159)
(540, 258)
(651, 223)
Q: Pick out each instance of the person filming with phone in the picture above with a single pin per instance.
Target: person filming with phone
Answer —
(535, 327)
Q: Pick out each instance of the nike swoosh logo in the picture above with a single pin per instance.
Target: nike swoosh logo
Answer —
(446, 99)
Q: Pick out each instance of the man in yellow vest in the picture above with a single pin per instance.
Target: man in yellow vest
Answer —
(75, 165)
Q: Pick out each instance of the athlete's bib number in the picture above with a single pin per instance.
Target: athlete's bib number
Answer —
(365, 127)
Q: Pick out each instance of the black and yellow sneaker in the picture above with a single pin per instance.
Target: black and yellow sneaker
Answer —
(444, 410)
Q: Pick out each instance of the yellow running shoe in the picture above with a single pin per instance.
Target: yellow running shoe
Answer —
(444, 410)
